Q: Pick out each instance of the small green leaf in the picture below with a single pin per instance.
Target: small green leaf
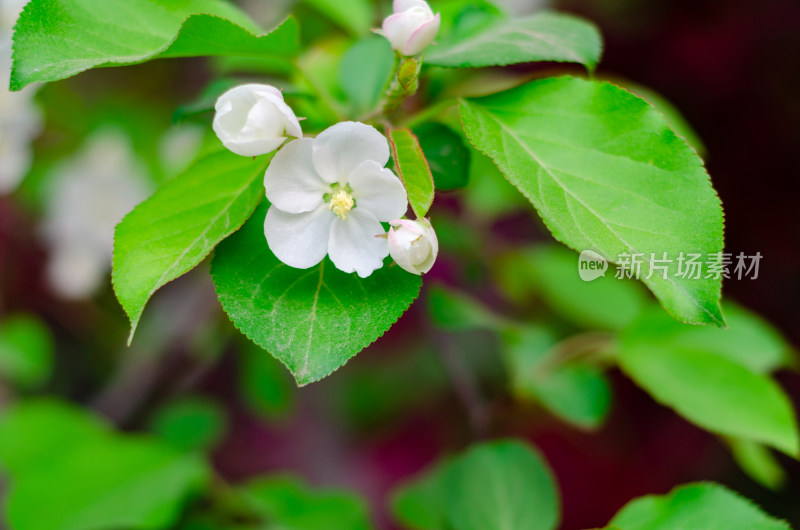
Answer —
(52, 42)
(190, 423)
(712, 389)
(541, 37)
(365, 71)
(26, 351)
(412, 167)
(501, 485)
(174, 230)
(578, 393)
(355, 16)
(606, 173)
(702, 505)
(313, 320)
(289, 503)
(448, 157)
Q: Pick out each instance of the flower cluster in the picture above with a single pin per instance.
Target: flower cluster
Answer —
(329, 195)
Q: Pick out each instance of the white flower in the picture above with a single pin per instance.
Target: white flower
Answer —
(412, 27)
(87, 197)
(329, 196)
(413, 244)
(253, 120)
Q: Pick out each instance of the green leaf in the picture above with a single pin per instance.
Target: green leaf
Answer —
(702, 505)
(106, 483)
(33, 431)
(26, 351)
(263, 383)
(578, 393)
(501, 485)
(541, 37)
(365, 71)
(488, 194)
(57, 39)
(419, 503)
(174, 230)
(88, 476)
(607, 174)
(498, 485)
(713, 390)
(355, 16)
(190, 423)
(289, 503)
(552, 271)
(412, 167)
(748, 340)
(758, 462)
(454, 311)
(448, 157)
(312, 320)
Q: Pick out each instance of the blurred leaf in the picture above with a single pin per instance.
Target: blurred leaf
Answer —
(448, 157)
(26, 351)
(711, 388)
(365, 70)
(355, 16)
(318, 73)
(106, 483)
(419, 503)
(498, 485)
(459, 18)
(88, 477)
(264, 384)
(748, 340)
(488, 193)
(702, 505)
(174, 230)
(552, 272)
(606, 173)
(312, 320)
(455, 311)
(289, 503)
(758, 462)
(577, 392)
(541, 37)
(35, 433)
(51, 41)
(190, 423)
(413, 170)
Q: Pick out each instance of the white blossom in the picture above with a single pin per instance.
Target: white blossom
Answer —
(87, 196)
(329, 196)
(413, 244)
(412, 27)
(253, 120)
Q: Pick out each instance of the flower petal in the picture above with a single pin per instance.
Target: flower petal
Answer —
(377, 190)
(299, 239)
(398, 6)
(291, 182)
(340, 149)
(423, 36)
(353, 245)
(398, 28)
(292, 124)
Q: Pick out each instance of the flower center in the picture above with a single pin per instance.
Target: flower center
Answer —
(341, 201)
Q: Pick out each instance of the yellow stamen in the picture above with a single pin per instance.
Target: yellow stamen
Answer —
(341, 203)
